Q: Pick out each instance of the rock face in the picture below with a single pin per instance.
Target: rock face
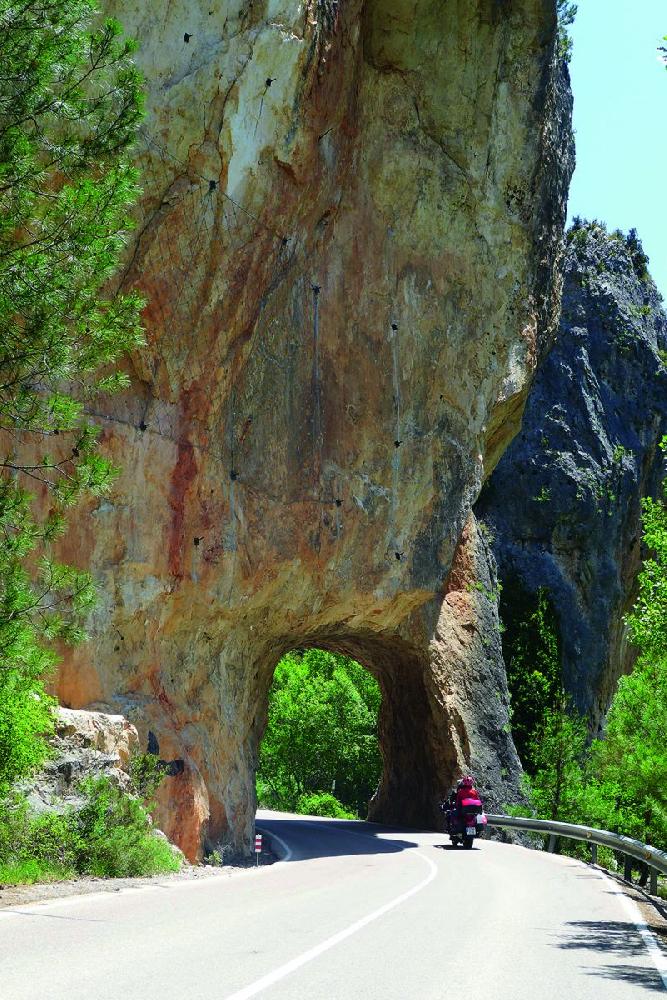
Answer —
(85, 745)
(348, 242)
(564, 501)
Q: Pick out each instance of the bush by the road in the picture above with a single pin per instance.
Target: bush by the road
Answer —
(110, 836)
(322, 804)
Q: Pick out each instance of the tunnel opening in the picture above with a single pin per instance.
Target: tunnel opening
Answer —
(320, 753)
(376, 759)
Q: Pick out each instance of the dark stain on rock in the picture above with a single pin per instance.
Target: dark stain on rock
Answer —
(182, 477)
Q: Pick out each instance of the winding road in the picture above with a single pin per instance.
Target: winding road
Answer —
(354, 911)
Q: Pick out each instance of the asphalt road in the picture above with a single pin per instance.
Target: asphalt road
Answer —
(357, 911)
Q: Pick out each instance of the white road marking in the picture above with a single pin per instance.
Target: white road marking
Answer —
(285, 970)
(656, 953)
(274, 836)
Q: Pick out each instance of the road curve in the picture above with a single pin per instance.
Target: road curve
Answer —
(357, 911)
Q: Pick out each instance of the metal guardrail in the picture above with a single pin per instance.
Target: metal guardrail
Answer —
(655, 860)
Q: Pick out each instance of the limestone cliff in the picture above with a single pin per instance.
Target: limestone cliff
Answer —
(564, 501)
(348, 241)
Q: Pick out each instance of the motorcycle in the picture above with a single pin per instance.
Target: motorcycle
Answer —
(464, 824)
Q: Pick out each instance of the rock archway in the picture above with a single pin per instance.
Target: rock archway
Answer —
(348, 241)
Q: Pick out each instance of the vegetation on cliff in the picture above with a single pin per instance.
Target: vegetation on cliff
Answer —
(70, 103)
(532, 655)
(110, 836)
(566, 12)
(320, 754)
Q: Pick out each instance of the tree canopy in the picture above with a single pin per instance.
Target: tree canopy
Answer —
(321, 735)
(70, 105)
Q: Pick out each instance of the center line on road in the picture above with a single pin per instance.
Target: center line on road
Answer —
(284, 970)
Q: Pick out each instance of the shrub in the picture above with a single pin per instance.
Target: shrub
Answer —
(146, 774)
(322, 804)
(115, 836)
(110, 837)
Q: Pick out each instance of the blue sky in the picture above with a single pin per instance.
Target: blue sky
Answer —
(620, 119)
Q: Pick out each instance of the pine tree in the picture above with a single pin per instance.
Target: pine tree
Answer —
(70, 105)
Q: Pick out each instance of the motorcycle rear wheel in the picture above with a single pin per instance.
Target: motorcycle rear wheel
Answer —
(467, 841)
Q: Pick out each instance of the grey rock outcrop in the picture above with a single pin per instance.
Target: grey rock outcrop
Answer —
(564, 503)
(84, 745)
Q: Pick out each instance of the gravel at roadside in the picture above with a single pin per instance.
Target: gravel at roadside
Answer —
(18, 895)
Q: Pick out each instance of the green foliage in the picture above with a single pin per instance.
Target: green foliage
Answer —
(34, 848)
(648, 621)
(558, 754)
(566, 13)
(70, 104)
(321, 734)
(543, 496)
(146, 773)
(638, 257)
(109, 837)
(619, 782)
(322, 804)
(25, 718)
(114, 834)
(630, 763)
(532, 655)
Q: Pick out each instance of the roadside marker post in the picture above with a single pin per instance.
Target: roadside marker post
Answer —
(258, 847)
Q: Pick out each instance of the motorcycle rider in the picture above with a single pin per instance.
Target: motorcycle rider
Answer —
(466, 792)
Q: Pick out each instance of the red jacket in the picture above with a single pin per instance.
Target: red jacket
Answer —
(468, 795)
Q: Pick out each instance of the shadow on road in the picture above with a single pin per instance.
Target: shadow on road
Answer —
(635, 975)
(617, 939)
(325, 838)
(451, 847)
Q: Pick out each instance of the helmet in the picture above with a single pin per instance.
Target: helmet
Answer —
(466, 782)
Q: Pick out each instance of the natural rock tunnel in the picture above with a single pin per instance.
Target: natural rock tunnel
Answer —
(348, 242)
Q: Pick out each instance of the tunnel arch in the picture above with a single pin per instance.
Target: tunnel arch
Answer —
(412, 780)
(439, 665)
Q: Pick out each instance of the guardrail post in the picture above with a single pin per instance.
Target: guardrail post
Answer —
(551, 846)
(594, 854)
(653, 887)
(627, 868)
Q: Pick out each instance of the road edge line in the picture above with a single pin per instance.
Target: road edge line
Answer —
(307, 956)
(274, 836)
(656, 954)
